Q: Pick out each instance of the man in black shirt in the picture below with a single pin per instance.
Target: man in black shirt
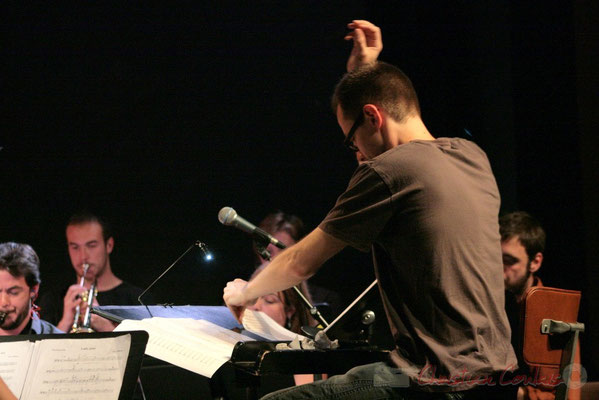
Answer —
(19, 285)
(89, 242)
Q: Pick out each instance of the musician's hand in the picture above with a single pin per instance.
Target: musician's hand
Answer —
(101, 324)
(368, 43)
(97, 323)
(71, 300)
(5, 393)
(234, 297)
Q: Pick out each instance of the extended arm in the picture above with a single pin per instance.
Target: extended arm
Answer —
(289, 268)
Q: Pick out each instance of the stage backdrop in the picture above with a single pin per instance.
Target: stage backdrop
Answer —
(157, 117)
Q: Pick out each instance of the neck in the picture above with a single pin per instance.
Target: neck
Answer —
(105, 281)
(525, 288)
(411, 128)
(18, 329)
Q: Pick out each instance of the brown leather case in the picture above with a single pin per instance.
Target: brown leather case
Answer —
(541, 350)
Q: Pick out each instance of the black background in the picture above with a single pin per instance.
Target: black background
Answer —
(156, 117)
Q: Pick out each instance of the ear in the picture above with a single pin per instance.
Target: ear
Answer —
(33, 292)
(536, 262)
(109, 245)
(289, 311)
(373, 116)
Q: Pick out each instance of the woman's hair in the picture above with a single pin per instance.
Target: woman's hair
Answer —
(301, 316)
(278, 221)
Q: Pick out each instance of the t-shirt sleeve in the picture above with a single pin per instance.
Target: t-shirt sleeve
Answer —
(362, 211)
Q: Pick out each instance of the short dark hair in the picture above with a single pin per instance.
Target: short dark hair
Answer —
(528, 230)
(20, 260)
(86, 217)
(381, 84)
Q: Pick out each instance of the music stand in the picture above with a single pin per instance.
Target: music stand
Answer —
(160, 378)
(139, 339)
(219, 315)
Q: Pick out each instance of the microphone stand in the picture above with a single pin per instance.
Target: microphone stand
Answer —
(197, 243)
(261, 246)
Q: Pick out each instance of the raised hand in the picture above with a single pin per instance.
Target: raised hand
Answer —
(368, 43)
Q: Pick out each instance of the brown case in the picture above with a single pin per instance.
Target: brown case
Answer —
(541, 350)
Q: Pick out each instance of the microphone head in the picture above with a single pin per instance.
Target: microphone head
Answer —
(227, 215)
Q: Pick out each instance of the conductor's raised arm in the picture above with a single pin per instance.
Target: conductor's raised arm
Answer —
(368, 43)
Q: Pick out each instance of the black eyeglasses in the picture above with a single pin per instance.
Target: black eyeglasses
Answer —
(348, 142)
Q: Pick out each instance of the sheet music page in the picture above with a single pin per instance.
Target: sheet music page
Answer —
(261, 324)
(72, 369)
(218, 334)
(14, 361)
(196, 345)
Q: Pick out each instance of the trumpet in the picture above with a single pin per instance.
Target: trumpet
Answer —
(2, 316)
(88, 297)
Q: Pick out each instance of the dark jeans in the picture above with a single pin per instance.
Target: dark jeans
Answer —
(379, 381)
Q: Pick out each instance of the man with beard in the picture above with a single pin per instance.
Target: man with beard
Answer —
(19, 285)
(522, 246)
(90, 242)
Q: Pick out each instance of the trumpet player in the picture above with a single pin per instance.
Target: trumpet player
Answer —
(19, 285)
(90, 244)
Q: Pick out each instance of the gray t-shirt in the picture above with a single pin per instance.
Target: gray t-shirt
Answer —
(429, 211)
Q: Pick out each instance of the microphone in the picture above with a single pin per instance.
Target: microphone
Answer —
(228, 216)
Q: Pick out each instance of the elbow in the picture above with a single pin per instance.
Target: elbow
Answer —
(299, 274)
(300, 269)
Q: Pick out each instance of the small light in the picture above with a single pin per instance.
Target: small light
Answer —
(207, 254)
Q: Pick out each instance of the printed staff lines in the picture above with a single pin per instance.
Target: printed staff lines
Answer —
(174, 347)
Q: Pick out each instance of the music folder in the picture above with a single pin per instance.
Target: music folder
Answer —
(64, 366)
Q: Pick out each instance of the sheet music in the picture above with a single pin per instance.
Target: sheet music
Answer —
(14, 361)
(196, 345)
(72, 369)
(261, 324)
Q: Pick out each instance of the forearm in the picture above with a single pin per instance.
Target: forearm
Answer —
(294, 265)
(282, 273)
(65, 324)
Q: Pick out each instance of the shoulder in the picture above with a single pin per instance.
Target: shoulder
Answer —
(122, 294)
(40, 327)
(125, 288)
(420, 156)
(442, 145)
